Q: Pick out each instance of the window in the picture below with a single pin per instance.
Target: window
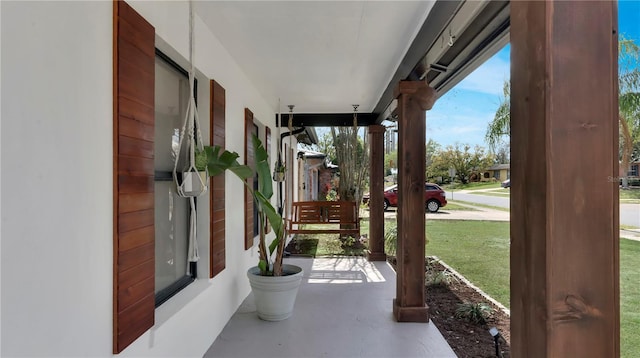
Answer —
(633, 172)
(173, 270)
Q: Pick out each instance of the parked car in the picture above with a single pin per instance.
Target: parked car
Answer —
(506, 183)
(434, 197)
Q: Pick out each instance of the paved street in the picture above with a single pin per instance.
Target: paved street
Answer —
(629, 213)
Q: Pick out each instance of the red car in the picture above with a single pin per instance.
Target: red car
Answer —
(434, 197)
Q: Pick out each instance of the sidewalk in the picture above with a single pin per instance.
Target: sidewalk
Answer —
(482, 214)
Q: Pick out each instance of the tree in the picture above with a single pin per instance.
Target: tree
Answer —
(325, 145)
(500, 127)
(431, 148)
(463, 160)
(629, 103)
(390, 162)
(353, 159)
(502, 154)
(629, 108)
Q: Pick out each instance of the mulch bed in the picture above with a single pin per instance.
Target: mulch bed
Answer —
(465, 338)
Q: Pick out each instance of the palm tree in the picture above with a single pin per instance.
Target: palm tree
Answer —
(629, 106)
(500, 127)
(629, 102)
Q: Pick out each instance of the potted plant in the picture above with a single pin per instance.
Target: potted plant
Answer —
(274, 284)
(196, 181)
(279, 172)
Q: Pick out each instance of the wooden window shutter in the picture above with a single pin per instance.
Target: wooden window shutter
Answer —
(217, 198)
(133, 171)
(248, 198)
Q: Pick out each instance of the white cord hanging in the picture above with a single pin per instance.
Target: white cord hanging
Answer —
(193, 182)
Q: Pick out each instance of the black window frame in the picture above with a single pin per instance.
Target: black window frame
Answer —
(165, 294)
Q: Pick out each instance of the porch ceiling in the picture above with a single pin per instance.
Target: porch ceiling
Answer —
(324, 56)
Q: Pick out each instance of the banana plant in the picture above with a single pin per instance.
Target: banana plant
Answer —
(218, 162)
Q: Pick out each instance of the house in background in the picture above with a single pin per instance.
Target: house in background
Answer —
(499, 172)
(316, 175)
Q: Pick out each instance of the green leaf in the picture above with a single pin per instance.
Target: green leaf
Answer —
(275, 220)
(262, 265)
(218, 162)
(265, 184)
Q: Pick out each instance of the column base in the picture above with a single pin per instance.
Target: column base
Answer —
(375, 256)
(410, 314)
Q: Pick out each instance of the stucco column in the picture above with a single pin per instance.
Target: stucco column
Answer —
(564, 204)
(414, 98)
(376, 196)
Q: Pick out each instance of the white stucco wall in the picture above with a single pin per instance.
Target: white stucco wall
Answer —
(56, 148)
(56, 178)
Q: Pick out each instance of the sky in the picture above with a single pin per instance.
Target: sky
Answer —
(463, 113)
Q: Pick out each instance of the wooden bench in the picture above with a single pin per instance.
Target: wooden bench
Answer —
(325, 212)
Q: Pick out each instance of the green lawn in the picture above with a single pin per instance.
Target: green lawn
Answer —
(453, 206)
(630, 194)
(479, 250)
(630, 298)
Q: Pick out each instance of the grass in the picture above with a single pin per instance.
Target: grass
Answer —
(479, 250)
(629, 194)
(629, 298)
(454, 206)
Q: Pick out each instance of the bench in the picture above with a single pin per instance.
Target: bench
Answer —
(344, 213)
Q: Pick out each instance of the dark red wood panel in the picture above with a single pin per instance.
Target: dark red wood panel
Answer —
(133, 172)
(134, 128)
(564, 143)
(134, 147)
(248, 160)
(131, 258)
(129, 296)
(135, 320)
(138, 237)
(135, 110)
(135, 184)
(376, 200)
(135, 202)
(218, 186)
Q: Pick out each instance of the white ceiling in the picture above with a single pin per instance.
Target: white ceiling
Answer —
(321, 56)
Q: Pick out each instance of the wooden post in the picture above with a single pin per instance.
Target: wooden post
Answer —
(414, 98)
(376, 196)
(564, 195)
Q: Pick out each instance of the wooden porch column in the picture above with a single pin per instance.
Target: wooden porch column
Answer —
(564, 195)
(376, 196)
(414, 98)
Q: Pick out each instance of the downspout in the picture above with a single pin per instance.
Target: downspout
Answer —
(282, 137)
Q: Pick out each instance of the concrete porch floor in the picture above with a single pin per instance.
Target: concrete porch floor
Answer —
(343, 309)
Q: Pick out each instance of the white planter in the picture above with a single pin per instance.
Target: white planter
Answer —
(275, 296)
(192, 184)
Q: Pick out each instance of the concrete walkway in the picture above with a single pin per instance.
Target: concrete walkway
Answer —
(343, 309)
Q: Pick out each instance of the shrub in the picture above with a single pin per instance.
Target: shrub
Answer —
(391, 238)
(476, 313)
